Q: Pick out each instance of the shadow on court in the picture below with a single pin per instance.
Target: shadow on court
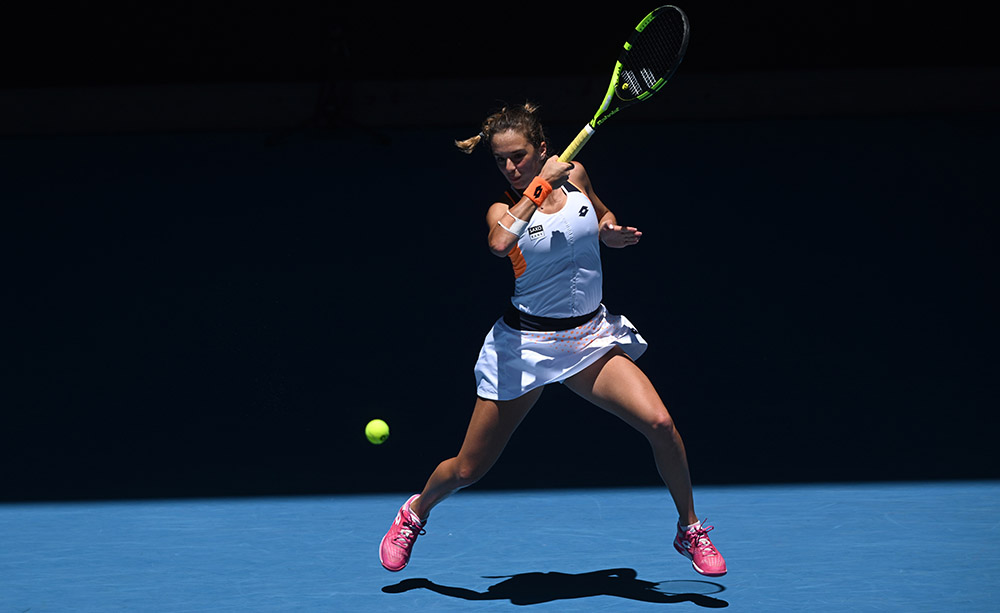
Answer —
(536, 588)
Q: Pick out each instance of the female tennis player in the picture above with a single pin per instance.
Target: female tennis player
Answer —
(555, 330)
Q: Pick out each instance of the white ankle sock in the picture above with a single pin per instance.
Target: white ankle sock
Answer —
(419, 520)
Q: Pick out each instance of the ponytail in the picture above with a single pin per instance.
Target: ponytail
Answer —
(469, 145)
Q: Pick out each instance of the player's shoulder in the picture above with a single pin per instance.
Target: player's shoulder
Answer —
(495, 212)
(578, 175)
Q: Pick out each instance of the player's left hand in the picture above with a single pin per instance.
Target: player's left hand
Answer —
(619, 236)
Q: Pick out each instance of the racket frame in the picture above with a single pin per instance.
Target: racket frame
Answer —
(605, 110)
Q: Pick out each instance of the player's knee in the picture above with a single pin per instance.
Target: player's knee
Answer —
(662, 427)
(469, 473)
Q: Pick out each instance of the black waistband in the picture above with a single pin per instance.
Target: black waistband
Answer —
(533, 323)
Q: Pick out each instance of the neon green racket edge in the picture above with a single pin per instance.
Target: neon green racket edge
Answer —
(646, 62)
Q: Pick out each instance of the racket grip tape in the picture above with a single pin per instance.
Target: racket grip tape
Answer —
(577, 144)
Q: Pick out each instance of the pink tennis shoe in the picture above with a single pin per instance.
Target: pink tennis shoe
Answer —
(397, 544)
(697, 547)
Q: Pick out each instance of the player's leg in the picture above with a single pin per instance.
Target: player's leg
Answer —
(490, 428)
(617, 385)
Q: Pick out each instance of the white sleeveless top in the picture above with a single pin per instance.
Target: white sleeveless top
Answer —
(557, 261)
(557, 270)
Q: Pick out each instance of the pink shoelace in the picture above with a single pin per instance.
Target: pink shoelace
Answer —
(699, 539)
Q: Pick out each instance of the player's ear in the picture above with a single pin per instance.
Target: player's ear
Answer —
(543, 149)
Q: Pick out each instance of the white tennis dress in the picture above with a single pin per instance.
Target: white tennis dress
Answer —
(556, 325)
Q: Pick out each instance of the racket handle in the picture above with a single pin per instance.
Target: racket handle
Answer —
(577, 144)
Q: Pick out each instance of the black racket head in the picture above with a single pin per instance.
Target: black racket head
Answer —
(653, 53)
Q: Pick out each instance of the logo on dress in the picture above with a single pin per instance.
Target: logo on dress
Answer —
(583, 211)
(536, 232)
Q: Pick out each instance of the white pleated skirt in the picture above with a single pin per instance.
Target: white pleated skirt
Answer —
(513, 362)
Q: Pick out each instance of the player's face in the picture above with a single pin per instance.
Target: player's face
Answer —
(517, 158)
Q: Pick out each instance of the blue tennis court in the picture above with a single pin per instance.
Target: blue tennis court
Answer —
(859, 547)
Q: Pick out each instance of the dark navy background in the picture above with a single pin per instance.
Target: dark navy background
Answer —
(220, 312)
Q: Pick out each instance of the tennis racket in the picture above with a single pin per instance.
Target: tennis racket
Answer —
(647, 60)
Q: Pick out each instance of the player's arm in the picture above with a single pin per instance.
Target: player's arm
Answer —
(501, 217)
(612, 234)
(502, 239)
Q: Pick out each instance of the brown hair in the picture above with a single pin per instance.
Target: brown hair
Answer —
(522, 119)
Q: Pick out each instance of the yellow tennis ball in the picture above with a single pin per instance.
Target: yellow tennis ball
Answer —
(377, 431)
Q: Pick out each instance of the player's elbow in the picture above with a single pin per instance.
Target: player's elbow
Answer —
(500, 245)
(500, 253)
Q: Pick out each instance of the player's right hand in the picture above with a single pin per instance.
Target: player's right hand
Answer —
(556, 172)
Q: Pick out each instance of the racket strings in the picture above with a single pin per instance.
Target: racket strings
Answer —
(655, 53)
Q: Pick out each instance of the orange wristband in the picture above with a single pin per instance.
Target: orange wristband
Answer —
(538, 190)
